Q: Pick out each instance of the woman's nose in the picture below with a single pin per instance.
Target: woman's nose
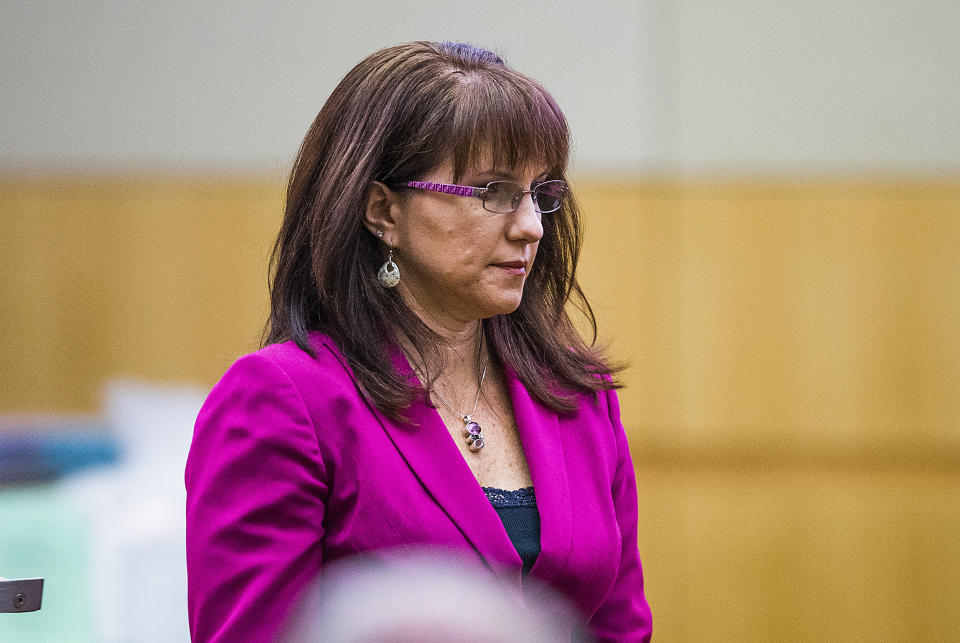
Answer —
(526, 224)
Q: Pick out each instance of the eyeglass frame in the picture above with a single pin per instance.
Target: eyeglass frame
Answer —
(481, 193)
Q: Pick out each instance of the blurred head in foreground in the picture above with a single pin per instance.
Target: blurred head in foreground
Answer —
(429, 597)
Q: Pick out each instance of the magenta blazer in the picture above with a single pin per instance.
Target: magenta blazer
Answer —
(291, 466)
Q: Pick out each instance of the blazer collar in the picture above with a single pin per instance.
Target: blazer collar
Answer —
(543, 446)
(433, 457)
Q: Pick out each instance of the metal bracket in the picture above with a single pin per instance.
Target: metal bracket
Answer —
(20, 594)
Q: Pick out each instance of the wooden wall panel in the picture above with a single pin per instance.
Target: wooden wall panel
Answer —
(814, 318)
(800, 554)
(162, 279)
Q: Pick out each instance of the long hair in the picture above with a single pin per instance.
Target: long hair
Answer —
(400, 113)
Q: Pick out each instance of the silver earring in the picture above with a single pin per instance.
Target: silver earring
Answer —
(389, 274)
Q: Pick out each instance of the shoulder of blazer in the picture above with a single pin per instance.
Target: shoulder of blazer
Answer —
(326, 369)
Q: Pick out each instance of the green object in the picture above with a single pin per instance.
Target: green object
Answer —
(41, 535)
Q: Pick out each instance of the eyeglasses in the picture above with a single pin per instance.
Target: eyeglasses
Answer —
(503, 197)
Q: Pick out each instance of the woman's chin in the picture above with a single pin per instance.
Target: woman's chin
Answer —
(503, 305)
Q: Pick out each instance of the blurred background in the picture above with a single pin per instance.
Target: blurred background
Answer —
(772, 199)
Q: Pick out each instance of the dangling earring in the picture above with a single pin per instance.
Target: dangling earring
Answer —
(389, 274)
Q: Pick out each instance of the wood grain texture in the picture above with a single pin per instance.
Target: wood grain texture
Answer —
(807, 318)
(163, 279)
(800, 554)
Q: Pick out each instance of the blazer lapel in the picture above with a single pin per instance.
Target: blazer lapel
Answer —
(543, 447)
(433, 457)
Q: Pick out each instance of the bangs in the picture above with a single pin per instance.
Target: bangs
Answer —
(509, 120)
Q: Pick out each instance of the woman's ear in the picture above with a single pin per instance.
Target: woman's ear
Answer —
(382, 211)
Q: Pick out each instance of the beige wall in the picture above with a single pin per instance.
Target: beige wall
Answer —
(793, 401)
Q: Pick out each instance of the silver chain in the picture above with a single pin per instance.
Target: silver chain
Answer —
(466, 417)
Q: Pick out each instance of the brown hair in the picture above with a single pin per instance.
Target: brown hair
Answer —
(400, 113)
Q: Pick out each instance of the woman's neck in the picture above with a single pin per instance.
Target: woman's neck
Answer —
(462, 355)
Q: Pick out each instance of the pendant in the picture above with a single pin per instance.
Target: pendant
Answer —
(472, 432)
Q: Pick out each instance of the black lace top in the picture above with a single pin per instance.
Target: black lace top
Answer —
(518, 513)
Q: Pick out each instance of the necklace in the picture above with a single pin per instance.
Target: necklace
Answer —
(471, 430)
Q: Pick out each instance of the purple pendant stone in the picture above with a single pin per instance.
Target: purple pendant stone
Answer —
(478, 443)
(473, 428)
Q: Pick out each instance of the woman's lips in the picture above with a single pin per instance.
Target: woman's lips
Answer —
(513, 267)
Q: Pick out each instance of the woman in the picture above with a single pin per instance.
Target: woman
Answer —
(420, 367)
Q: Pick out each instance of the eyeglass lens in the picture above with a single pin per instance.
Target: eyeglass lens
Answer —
(504, 196)
(548, 196)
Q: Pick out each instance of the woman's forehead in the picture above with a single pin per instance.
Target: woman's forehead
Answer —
(488, 172)
(488, 164)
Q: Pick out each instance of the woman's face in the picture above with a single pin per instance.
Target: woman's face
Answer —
(459, 262)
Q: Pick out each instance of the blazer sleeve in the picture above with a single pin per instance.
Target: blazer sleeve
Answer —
(625, 614)
(256, 487)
